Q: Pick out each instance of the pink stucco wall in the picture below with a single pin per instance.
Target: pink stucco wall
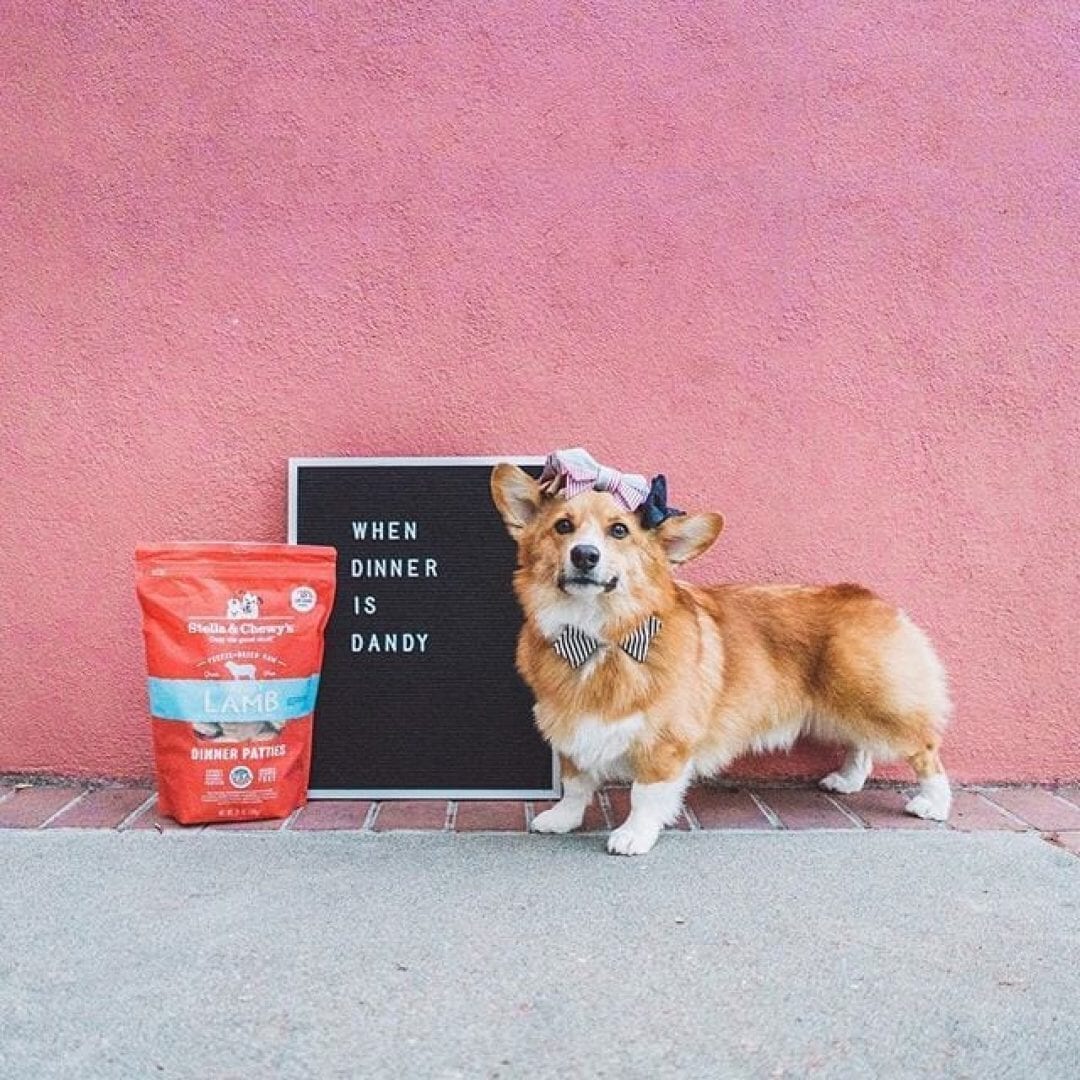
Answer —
(816, 260)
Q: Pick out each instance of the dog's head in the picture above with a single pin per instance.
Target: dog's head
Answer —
(590, 549)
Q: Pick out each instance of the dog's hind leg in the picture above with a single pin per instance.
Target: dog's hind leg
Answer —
(935, 797)
(851, 776)
(569, 812)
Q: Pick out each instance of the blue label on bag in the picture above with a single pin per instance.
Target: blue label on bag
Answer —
(208, 701)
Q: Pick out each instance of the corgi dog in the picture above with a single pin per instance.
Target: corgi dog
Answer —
(642, 677)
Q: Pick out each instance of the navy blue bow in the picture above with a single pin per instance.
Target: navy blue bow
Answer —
(654, 510)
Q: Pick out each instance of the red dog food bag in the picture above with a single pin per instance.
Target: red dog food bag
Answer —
(234, 647)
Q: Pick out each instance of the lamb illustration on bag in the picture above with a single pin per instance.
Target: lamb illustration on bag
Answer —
(241, 671)
(245, 606)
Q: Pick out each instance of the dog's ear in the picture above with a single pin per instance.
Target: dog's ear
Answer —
(688, 536)
(517, 496)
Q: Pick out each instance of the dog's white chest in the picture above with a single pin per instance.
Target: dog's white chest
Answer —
(599, 746)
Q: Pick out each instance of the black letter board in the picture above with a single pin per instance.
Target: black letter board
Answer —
(419, 697)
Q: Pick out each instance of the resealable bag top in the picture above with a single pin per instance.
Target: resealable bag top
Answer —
(234, 647)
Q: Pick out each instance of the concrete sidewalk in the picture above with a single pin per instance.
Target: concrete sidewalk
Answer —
(755, 954)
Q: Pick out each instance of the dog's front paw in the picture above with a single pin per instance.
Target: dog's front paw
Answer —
(631, 839)
(559, 819)
(845, 785)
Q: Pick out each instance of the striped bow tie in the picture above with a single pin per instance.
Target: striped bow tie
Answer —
(575, 471)
(576, 647)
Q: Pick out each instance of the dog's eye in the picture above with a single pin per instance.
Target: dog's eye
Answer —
(564, 526)
(619, 531)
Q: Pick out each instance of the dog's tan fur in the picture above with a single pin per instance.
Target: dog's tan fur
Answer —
(735, 667)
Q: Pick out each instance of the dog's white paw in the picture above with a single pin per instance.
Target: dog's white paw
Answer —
(845, 785)
(630, 839)
(559, 819)
(931, 809)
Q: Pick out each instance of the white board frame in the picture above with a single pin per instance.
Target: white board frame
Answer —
(298, 463)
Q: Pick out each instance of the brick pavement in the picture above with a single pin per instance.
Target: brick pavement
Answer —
(1053, 812)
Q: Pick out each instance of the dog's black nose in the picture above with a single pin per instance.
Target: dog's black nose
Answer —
(584, 556)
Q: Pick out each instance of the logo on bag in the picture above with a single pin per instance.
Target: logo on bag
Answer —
(243, 606)
(243, 619)
(241, 776)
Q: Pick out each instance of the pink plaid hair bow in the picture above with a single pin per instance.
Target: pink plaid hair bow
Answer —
(575, 471)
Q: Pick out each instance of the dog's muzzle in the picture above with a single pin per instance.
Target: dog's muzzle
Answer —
(586, 581)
